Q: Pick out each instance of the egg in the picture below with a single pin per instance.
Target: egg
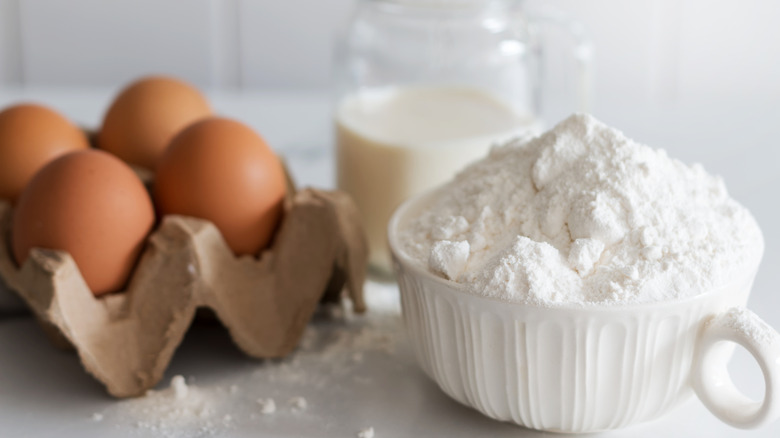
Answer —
(221, 170)
(92, 205)
(30, 136)
(143, 118)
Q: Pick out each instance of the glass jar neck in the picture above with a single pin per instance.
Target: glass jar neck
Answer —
(453, 8)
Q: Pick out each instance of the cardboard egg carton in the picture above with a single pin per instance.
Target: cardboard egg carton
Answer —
(127, 339)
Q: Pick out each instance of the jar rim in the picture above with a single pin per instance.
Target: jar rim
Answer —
(442, 5)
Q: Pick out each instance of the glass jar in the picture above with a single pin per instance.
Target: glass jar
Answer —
(425, 87)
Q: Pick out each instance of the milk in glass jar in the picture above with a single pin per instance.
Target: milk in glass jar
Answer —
(425, 87)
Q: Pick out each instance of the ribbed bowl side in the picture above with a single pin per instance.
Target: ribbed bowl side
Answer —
(566, 370)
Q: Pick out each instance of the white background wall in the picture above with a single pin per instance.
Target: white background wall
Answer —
(667, 49)
(645, 49)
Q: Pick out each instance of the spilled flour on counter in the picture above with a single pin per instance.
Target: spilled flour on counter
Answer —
(583, 215)
(337, 358)
(165, 412)
(267, 406)
(366, 433)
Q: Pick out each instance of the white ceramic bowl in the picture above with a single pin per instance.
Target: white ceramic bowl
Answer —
(583, 369)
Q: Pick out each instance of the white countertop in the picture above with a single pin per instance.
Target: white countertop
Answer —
(361, 373)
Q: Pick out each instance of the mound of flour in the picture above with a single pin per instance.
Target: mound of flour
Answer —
(583, 214)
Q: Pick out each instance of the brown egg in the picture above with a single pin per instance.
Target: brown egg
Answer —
(31, 136)
(221, 170)
(93, 206)
(146, 115)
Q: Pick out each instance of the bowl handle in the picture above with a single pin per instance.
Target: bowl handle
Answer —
(710, 378)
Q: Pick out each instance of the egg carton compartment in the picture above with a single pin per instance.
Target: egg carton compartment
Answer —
(127, 339)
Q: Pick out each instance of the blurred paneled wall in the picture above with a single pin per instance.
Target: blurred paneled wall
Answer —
(644, 49)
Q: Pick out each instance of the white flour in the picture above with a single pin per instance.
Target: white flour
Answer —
(581, 215)
(298, 404)
(746, 322)
(339, 352)
(267, 405)
(366, 433)
(180, 406)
